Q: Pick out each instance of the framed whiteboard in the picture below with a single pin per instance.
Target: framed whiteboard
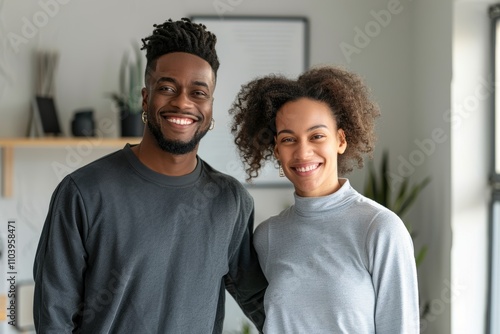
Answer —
(249, 47)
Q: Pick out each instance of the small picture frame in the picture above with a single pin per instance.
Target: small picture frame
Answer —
(45, 121)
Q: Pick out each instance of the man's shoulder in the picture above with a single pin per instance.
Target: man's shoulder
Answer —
(217, 175)
(225, 181)
(101, 167)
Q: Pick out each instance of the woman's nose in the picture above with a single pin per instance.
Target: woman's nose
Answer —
(303, 151)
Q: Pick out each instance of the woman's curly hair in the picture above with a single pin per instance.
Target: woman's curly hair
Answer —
(256, 105)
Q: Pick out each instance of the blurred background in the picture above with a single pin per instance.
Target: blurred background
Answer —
(428, 64)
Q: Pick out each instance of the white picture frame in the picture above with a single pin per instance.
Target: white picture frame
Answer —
(249, 47)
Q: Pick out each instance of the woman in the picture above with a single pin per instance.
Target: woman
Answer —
(336, 261)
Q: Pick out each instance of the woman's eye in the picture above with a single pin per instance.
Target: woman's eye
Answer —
(287, 140)
(318, 136)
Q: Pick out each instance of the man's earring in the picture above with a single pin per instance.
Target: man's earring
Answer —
(144, 117)
(212, 124)
(281, 172)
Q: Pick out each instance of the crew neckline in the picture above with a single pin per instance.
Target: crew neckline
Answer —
(165, 180)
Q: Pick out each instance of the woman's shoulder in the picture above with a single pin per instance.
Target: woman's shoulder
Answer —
(274, 221)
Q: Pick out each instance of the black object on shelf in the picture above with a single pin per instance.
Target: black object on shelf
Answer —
(83, 124)
(131, 124)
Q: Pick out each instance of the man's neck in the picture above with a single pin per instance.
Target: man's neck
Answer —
(150, 154)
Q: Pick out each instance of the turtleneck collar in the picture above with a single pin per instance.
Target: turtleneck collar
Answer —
(312, 206)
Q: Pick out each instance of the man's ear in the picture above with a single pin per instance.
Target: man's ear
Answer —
(145, 95)
(342, 141)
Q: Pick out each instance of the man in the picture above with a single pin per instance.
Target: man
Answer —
(147, 239)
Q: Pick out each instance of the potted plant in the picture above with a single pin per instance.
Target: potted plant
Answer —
(397, 199)
(246, 328)
(129, 99)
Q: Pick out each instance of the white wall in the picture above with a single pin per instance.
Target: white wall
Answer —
(397, 55)
(470, 131)
(429, 153)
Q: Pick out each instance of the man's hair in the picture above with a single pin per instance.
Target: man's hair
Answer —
(180, 36)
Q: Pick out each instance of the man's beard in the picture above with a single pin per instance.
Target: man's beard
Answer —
(175, 146)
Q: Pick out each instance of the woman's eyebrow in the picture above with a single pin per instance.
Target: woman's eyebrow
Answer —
(312, 128)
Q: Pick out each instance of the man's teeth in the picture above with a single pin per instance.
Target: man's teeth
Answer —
(307, 169)
(180, 121)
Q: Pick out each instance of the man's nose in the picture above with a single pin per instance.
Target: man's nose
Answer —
(182, 100)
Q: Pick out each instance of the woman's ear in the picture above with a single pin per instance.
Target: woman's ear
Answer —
(276, 151)
(342, 142)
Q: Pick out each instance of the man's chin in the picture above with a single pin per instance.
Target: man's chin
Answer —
(175, 146)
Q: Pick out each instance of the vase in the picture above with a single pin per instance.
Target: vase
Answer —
(131, 124)
(83, 124)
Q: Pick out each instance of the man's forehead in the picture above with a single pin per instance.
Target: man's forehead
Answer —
(182, 66)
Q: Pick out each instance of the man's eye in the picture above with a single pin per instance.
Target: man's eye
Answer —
(166, 89)
(200, 93)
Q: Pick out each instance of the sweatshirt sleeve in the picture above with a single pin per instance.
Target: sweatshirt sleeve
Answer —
(60, 263)
(394, 275)
(245, 280)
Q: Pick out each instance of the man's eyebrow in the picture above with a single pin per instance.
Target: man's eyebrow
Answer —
(201, 83)
(312, 128)
(172, 80)
(166, 79)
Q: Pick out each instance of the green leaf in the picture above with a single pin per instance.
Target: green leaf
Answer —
(378, 187)
(371, 182)
(421, 255)
(385, 195)
(123, 77)
(401, 197)
(410, 199)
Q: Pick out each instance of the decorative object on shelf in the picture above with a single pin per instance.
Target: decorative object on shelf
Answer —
(129, 98)
(44, 119)
(131, 124)
(82, 124)
(46, 68)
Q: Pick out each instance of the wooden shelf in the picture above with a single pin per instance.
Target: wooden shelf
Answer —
(8, 145)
